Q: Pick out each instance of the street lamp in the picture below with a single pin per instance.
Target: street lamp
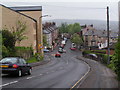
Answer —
(45, 16)
(40, 32)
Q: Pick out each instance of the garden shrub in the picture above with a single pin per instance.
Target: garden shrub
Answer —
(5, 51)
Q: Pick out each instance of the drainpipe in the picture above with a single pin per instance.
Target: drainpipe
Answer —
(36, 36)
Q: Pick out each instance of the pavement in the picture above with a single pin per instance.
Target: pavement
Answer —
(44, 61)
(99, 76)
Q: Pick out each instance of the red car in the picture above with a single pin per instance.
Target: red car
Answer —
(73, 48)
(57, 55)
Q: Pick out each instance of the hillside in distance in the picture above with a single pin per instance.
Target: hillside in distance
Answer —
(98, 24)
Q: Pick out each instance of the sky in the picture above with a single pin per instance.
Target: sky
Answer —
(71, 9)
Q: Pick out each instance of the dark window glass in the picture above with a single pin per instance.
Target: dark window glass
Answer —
(24, 62)
(9, 60)
(20, 61)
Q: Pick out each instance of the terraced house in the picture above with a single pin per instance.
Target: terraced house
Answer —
(50, 30)
(98, 38)
(26, 14)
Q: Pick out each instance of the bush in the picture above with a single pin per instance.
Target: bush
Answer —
(115, 62)
(101, 57)
(32, 60)
(25, 52)
(38, 56)
(99, 51)
(8, 39)
(23, 48)
(5, 51)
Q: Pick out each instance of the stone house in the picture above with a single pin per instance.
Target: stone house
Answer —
(97, 38)
(28, 14)
(50, 30)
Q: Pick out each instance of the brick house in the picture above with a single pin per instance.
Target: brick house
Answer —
(97, 38)
(50, 30)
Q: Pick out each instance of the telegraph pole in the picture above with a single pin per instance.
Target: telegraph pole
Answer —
(108, 35)
(119, 21)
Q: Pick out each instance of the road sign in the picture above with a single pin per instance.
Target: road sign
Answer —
(40, 46)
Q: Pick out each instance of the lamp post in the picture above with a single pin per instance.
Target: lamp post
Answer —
(40, 43)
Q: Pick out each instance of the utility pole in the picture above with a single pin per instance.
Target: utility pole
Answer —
(119, 21)
(108, 35)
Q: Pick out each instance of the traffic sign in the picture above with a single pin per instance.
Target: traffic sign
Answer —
(40, 46)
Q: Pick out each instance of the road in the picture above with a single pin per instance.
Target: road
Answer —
(99, 76)
(61, 72)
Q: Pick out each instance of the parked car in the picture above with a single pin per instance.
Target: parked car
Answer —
(46, 50)
(57, 54)
(15, 65)
(73, 48)
(92, 56)
(62, 45)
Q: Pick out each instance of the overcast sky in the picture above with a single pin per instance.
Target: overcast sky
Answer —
(71, 9)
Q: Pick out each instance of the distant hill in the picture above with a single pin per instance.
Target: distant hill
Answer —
(98, 24)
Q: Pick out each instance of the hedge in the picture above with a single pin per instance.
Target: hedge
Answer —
(101, 57)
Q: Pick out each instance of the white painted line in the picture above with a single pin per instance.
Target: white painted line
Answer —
(47, 72)
(8, 83)
(41, 74)
(67, 61)
(30, 77)
(61, 67)
(81, 77)
(52, 71)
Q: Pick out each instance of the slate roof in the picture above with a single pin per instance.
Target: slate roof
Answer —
(91, 32)
(46, 32)
(18, 12)
(27, 8)
(100, 33)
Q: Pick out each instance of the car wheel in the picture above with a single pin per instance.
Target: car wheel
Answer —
(29, 71)
(19, 73)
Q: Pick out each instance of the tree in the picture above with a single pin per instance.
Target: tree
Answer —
(63, 28)
(19, 32)
(7, 43)
(115, 62)
(76, 27)
(77, 39)
(8, 39)
(71, 28)
(45, 40)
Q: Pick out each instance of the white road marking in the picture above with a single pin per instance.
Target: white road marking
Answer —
(41, 74)
(67, 61)
(30, 77)
(61, 67)
(52, 71)
(47, 72)
(8, 83)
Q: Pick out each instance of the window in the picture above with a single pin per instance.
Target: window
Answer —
(24, 62)
(9, 60)
(20, 61)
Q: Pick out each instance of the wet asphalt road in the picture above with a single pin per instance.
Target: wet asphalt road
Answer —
(99, 76)
(61, 72)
